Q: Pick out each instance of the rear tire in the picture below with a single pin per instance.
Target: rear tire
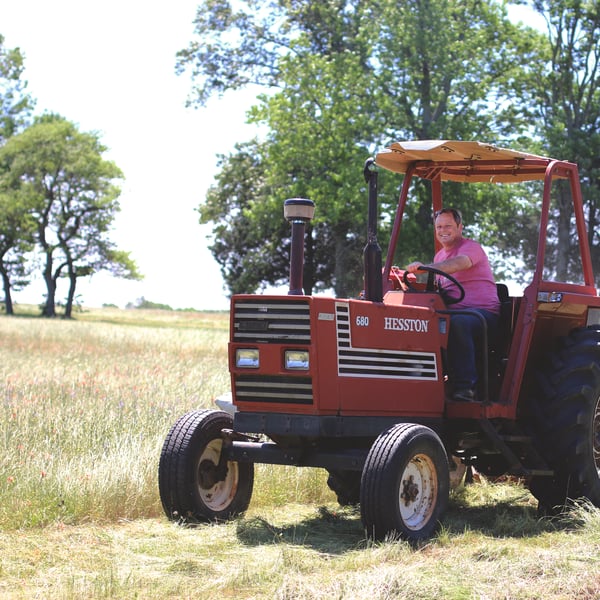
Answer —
(191, 489)
(405, 484)
(566, 422)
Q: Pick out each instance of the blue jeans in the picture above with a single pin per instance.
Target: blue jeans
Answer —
(465, 344)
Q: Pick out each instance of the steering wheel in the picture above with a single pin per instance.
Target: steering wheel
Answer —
(431, 287)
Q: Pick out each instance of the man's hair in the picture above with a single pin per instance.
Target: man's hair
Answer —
(449, 211)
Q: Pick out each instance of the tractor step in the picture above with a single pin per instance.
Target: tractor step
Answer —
(504, 443)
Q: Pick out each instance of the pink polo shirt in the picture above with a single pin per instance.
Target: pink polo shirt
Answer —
(478, 281)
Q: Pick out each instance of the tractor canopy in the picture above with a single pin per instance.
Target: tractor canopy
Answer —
(450, 160)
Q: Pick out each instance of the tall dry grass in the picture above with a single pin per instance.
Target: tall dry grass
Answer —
(85, 407)
(87, 403)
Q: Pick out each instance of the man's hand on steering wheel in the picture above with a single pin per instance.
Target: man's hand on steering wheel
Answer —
(431, 282)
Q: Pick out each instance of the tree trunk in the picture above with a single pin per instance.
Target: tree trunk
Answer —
(8, 304)
(49, 309)
(71, 295)
(563, 236)
(309, 263)
(348, 272)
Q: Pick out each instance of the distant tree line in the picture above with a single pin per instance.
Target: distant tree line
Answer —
(58, 197)
(343, 78)
(143, 303)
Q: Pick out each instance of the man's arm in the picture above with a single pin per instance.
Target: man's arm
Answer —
(450, 265)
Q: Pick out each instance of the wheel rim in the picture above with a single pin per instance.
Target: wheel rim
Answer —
(216, 495)
(418, 492)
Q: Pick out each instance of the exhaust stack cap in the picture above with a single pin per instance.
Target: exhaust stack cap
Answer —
(298, 209)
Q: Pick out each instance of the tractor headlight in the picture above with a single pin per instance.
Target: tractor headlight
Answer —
(247, 358)
(296, 359)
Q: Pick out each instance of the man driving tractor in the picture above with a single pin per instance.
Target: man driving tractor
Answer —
(467, 261)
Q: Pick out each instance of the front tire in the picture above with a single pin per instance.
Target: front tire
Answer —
(190, 484)
(566, 422)
(405, 484)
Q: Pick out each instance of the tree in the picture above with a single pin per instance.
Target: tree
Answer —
(69, 190)
(568, 111)
(229, 204)
(16, 240)
(15, 110)
(15, 103)
(317, 144)
(345, 77)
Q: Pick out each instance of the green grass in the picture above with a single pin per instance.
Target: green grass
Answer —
(86, 404)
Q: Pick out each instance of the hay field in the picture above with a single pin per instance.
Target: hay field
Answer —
(86, 404)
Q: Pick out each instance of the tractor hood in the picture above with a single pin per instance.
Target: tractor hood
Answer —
(449, 160)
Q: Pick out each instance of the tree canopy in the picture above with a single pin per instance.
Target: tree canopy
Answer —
(66, 192)
(343, 78)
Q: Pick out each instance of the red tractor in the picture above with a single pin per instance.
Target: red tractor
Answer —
(358, 386)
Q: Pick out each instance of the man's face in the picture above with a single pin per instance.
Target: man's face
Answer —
(447, 231)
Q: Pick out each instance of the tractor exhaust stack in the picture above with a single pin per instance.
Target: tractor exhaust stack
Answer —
(298, 211)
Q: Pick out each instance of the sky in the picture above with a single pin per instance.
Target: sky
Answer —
(109, 67)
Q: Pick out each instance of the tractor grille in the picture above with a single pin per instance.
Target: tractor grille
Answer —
(269, 388)
(271, 321)
(384, 363)
(374, 362)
